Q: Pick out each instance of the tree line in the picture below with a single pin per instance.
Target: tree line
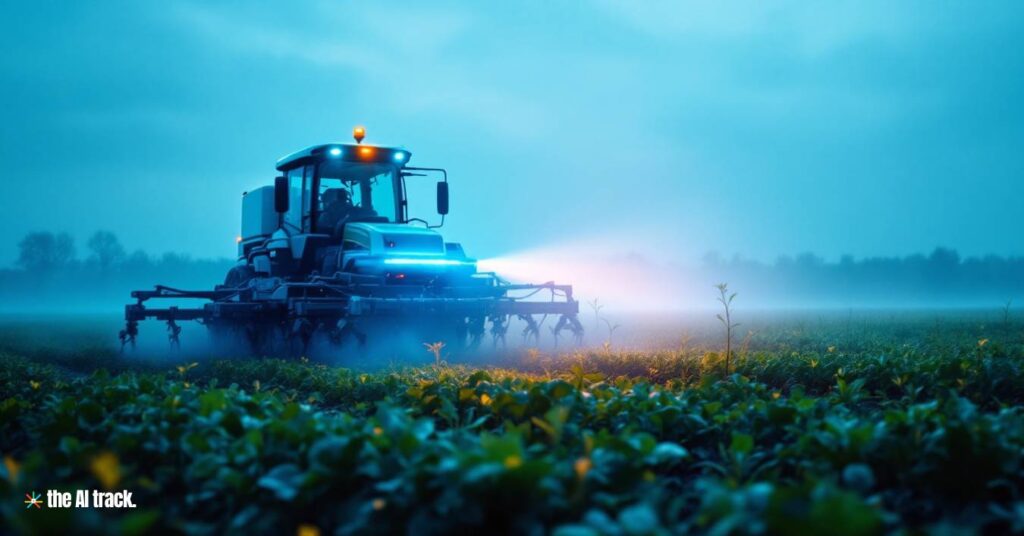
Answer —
(941, 277)
(51, 269)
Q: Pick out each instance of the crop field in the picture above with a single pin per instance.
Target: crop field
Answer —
(843, 424)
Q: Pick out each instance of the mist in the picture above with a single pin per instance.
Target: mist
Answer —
(54, 274)
(634, 282)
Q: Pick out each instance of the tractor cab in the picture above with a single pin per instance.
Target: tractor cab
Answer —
(332, 205)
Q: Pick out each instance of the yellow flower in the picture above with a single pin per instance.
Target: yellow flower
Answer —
(35, 385)
(485, 399)
(106, 469)
(513, 461)
(831, 349)
(582, 467)
(776, 395)
(307, 530)
(379, 504)
(377, 430)
(982, 342)
(13, 468)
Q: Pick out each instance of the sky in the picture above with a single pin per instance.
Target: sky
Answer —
(663, 129)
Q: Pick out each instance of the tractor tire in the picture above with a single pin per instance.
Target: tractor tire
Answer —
(239, 276)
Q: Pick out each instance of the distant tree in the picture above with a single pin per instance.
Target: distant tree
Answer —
(172, 260)
(138, 260)
(712, 259)
(106, 249)
(941, 268)
(45, 252)
(944, 257)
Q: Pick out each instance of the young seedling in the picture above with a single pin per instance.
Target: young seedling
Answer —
(611, 331)
(684, 341)
(726, 300)
(596, 305)
(435, 349)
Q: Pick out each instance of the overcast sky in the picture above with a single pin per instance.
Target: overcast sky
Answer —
(760, 128)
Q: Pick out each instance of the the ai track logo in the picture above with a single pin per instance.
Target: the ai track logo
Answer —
(82, 498)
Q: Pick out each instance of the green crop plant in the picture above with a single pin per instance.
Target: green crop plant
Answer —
(904, 431)
(596, 306)
(435, 349)
(611, 332)
(725, 298)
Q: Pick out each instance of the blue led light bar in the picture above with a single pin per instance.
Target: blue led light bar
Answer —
(425, 262)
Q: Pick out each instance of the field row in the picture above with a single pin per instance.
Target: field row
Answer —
(592, 443)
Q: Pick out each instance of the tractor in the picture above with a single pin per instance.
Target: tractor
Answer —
(330, 253)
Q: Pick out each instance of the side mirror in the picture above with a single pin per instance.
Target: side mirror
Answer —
(281, 195)
(442, 198)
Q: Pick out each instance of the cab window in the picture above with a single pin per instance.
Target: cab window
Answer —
(293, 221)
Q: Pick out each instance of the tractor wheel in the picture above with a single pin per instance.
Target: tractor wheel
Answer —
(238, 276)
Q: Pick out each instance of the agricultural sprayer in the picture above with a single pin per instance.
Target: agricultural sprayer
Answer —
(330, 252)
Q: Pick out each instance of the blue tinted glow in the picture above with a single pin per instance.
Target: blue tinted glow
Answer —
(334, 151)
(399, 156)
(425, 262)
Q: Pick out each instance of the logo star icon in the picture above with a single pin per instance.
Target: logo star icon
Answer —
(33, 500)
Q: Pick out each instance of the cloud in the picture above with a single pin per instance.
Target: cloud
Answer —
(813, 30)
(403, 54)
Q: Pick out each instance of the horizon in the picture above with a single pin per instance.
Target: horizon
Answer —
(711, 256)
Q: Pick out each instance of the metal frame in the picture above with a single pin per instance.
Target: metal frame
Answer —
(325, 302)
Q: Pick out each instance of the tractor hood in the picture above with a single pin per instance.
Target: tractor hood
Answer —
(402, 252)
(395, 239)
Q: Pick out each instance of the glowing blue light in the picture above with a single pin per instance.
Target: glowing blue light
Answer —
(425, 262)
(334, 151)
(399, 156)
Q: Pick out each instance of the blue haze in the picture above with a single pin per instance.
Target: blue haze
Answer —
(660, 128)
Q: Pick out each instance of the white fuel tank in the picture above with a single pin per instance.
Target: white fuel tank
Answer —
(258, 216)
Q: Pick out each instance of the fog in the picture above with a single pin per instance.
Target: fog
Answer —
(54, 274)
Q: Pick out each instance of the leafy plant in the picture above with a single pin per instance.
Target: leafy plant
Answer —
(901, 431)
